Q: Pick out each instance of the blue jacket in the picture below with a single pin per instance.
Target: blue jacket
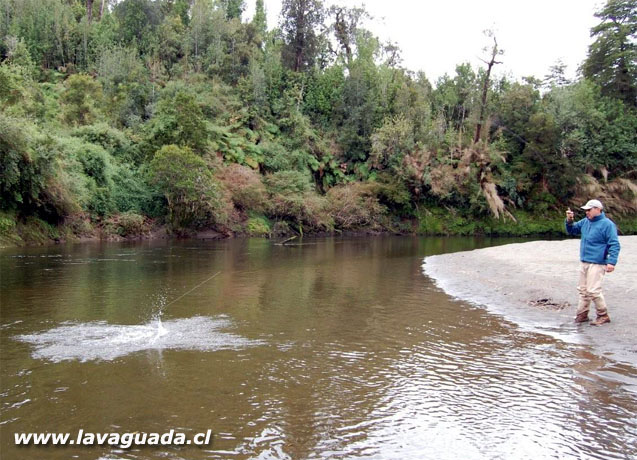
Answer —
(599, 244)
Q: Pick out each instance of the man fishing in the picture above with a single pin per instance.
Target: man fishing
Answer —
(599, 249)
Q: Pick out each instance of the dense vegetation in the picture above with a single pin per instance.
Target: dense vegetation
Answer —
(116, 114)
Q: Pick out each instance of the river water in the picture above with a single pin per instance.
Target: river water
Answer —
(328, 349)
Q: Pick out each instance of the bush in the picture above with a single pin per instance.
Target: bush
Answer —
(35, 173)
(193, 195)
(79, 225)
(178, 120)
(258, 226)
(7, 224)
(288, 182)
(292, 198)
(245, 187)
(355, 205)
(87, 174)
(130, 192)
(112, 140)
(128, 224)
(79, 98)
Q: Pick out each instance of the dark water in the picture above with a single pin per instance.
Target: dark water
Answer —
(337, 348)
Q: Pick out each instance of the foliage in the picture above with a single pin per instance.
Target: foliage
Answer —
(356, 206)
(114, 141)
(293, 198)
(81, 95)
(178, 120)
(127, 225)
(28, 171)
(192, 194)
(391, 142)
(258, 226)
(247, 191)
(179, 111)
(300, 20)
(612, 58)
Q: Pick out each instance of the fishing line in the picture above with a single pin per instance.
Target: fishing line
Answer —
(186, 293)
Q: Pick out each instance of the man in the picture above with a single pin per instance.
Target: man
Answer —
(599, 249)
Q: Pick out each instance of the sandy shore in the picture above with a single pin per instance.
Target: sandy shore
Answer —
(534, 284)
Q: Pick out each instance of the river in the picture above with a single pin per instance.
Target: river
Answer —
(325, 349)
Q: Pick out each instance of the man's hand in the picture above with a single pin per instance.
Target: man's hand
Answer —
(569, 215)
(609, 268)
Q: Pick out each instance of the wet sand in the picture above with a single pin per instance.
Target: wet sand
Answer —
(535, 283)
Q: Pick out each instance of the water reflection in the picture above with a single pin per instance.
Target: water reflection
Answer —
(339, 349)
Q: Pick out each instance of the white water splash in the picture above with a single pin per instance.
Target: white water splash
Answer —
(103, 341)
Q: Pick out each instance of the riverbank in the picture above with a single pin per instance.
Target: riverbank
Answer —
(534, 284)
(33, 231)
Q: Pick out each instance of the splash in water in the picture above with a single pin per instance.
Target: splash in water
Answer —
(103, 341)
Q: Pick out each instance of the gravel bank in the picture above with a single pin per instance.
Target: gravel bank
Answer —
(534, 284)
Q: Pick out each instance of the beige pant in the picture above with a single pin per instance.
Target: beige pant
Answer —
(590, 288)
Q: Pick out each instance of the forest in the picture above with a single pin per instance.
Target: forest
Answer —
(128, 118)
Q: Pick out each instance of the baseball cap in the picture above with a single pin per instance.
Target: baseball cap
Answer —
(593, 204)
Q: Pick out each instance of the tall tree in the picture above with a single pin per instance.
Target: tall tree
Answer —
(346, 23)
(495, 52)
(260, 19)
(612, 58)
(234, 8)
(300, 20)
(556, 76)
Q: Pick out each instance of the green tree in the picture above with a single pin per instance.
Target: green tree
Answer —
(391, 143)
(137, 20)
(81, 95)
(260, 20)
(178, 120)
(192, 194)
(513, 112)
(612, 58)
(556, 75)
(362, 105)
(233, 8)
(345, 26)
(597, 133)
(300, 21)
(171, 37)
(48, 27)
(455, 99)
(549, 169)
(126, 84)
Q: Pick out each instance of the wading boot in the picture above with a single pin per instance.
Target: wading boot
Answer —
(581, 317)
(601, 319)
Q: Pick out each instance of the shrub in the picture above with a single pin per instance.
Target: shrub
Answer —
(79, 97)
(194, 197)
(292, 198)
(258, 226)
(355, 205)
(130, 191)
(7, 224)
(288, 182)
(245, 187)
(179, 120)
(112, 140)
(130, 224)
(35, 171)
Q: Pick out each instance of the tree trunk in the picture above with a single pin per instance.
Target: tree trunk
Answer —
(101, 10)
(89, 10)
(485, 88)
